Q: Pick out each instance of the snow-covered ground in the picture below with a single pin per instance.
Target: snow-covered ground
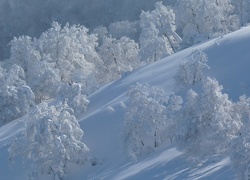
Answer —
(229, 61)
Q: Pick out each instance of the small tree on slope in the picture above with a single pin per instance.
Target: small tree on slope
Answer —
(147, 119)
(191, 69)
(51, 140)
(119, 56)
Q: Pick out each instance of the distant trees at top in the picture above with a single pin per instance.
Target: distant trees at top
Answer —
(158, 38)
(198, 20)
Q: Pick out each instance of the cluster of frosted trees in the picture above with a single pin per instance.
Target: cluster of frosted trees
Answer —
(149, 116)
(63, 56)
(72, 55)
(63, 65)
(67, 61)
(203, 123)
(51, 140)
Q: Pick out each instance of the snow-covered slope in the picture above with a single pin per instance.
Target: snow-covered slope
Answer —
(228, 58)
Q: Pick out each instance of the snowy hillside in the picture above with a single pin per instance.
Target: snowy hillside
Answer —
(229, 61)
(102, 123)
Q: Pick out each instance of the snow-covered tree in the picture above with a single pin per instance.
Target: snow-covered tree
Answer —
(60, 55)
(144, 119)
(72, 50)
(158, 37)
(73, 95)
(242, 9)
(208, 121)
(16, 98)
(188, 122)
(220, 111)
(40, 74)
(243, 107)
(240, 146)
(164, 18)
(148, 119)
(199, 20)
(119, 56)
(51, 140)
(240, 154)
(191, 69)
(173, 107)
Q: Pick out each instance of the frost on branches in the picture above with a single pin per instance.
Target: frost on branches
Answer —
(199, 20)
(207, 122)
(119, 56)
(51, 140)
(240, 146)
(191, 69)
(16, 98)
(158, 38)
(60, 55)
(74, 97)
(240, 155)
(148, 119)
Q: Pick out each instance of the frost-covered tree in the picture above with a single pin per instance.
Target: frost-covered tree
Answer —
(60, 55)
(144, 119)
(242, 9)
(72, 50)
(119, 56)
(73, 95)
(40, 74)
(51, 140)
(240, 146)
(164, 18)
(173, 107)
(16, 98)
(220, 111)
(199, 20)
(208, 121)
(148, 119)
(240, 154)
(243, 107)
(191, 69)
(188, 122)
(158, 37)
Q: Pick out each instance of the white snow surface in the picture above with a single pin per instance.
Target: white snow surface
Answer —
(229, 61)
